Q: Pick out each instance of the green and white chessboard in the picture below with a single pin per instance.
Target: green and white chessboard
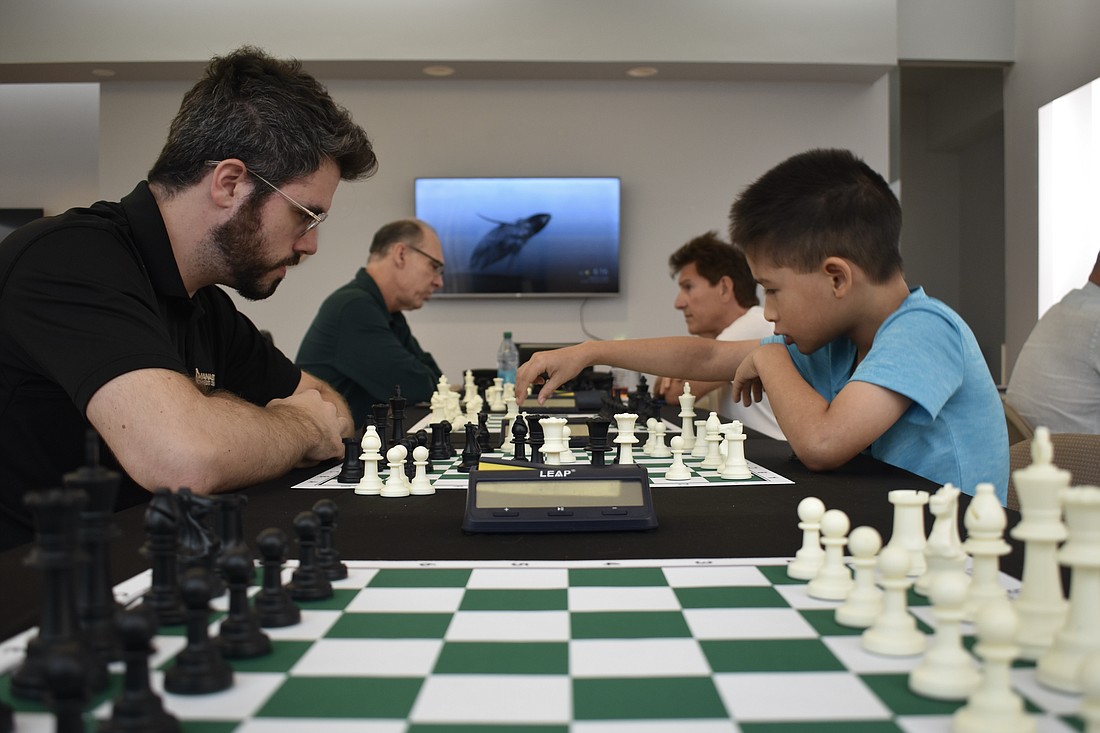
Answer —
(447, 476)
(698, 646)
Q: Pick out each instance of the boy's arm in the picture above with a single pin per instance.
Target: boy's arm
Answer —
(670, 388)
(824, 435)
(690, 357)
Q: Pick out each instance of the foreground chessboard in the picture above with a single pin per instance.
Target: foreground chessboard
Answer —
(447, 475)
(698, 646)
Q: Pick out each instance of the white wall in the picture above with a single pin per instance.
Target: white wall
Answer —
(1056, 52)
(683, 151)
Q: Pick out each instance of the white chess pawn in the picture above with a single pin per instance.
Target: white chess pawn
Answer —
(397, 484)
(678, 471)
(421, 484)
(687, 415)
(660, 447)
(894, 633)
(712, 453)
(700, 449)
(908, 531)
(994, 706)
(371, 483)
(833, 581)
(985, 525)
(624, 423)
(651, 436)
(947, 672)
(735, 465)
(864, 602)
(807, 561)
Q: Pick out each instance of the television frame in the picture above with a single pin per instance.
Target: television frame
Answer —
(525, 236)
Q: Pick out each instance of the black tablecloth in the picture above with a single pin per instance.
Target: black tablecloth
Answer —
(743, 521)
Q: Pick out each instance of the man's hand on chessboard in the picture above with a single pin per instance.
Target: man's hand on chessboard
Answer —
(550, 369)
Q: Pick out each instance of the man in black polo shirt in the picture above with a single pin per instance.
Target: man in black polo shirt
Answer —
(110, 316)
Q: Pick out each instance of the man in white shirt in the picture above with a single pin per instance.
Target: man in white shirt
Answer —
(718, 299)
(1056, 380)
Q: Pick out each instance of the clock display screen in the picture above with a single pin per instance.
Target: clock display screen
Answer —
(573, 493)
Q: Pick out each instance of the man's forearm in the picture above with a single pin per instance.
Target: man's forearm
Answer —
(164, 432)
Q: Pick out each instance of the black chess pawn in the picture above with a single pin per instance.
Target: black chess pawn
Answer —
(308, 583)
(352, 470)
(597, 439)
(397, 412)
(471, 451)
(198, 545)
(95, 600)
(447, 430)
(239, 635)
(138, 709)
(55, 555)
(162, 520)
(199, 668)
(328, 557)
(519, 439)
(484, 436)
(274, 606)
(66, 691)
(440, 449)
(381, 413)
(410, 462)
(229, 522)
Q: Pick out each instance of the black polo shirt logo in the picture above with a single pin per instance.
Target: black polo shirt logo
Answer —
(203, 379)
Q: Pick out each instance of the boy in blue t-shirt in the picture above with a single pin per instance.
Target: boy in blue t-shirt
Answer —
(859, 361)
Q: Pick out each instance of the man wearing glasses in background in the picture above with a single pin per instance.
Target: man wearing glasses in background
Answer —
(359, 341)
(111, 316)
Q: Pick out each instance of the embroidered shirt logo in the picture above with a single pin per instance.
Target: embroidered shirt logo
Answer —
(203, 379)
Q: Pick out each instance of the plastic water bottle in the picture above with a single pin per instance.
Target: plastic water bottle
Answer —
(507, 359)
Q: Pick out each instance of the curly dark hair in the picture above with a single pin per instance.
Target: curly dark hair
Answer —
(267, 112)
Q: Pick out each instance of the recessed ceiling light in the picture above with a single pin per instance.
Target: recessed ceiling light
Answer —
(438, 70)
(103, 73)
(641, 72)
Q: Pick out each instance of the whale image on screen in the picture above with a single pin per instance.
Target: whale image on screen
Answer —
(515, 237)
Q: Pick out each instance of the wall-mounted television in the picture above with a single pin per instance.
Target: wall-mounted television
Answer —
(520, 237)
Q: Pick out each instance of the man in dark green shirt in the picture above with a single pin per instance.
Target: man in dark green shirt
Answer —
(359, 341)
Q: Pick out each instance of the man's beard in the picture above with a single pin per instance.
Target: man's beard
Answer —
(241, 245)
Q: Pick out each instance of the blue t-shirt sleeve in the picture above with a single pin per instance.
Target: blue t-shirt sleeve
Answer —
(917, 354)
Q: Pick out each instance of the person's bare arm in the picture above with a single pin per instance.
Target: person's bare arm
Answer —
(824, 435)
(165, 432)
(328, 394)
(670, 388)
(691, 358)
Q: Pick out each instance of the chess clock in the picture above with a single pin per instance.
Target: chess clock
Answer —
(515, 496)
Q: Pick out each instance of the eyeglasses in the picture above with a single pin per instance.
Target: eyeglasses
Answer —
(314, 217)
(438, 263)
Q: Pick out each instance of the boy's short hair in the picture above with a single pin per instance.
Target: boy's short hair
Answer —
(818, 204)
(267, 112)
(715, 259)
